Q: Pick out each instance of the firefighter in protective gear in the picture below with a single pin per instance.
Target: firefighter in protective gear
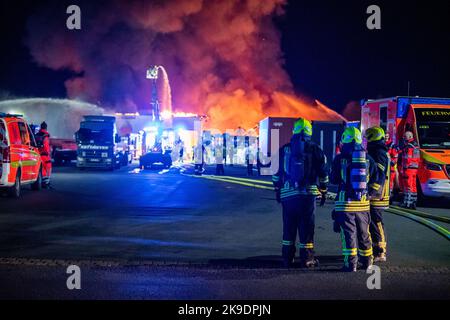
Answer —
(410, 157)
(353, 170)
(393, 156)
(379, 201)
(302, 176)
(43, 142)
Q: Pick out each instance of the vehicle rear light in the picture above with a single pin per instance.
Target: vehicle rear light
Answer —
(6, 158)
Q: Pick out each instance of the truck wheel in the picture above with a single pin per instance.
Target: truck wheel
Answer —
(14, 191)
(37, 185)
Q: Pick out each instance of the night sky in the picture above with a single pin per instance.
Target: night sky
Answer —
(329, 53)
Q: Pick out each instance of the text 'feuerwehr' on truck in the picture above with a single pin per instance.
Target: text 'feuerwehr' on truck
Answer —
(99, 145)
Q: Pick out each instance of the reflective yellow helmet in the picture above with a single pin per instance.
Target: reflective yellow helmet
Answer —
(303, 126)
(351, 134)
(374, 134)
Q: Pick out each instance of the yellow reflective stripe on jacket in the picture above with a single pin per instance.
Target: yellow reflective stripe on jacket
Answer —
(375, 186)
(288, 191)
(352, 206)
(383, 203)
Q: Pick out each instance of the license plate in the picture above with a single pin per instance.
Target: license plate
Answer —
(95, 160)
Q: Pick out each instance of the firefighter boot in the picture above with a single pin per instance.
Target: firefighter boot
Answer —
(307, 259)
(381, 257)
(366, 262)
(288, 253)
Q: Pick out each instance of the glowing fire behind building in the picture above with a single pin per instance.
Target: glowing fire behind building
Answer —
(223, 58)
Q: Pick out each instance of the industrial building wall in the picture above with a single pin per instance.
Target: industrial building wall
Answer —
(327, 135)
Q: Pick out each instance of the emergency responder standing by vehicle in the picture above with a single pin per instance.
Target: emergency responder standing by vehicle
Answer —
(393, 156)
(301, 164)
(351, 171)
(43, 143)
(410, 157)
(379, 201)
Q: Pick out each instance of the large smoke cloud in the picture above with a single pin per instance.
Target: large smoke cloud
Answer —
(223, 57)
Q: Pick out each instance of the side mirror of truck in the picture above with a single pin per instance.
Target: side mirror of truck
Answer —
(76, 135)
(117, 138)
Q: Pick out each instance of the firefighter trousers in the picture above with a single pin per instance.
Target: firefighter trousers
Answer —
(377, 231)
(355, 237)
(393, 182)
(409, 187)
(46, 170)
(298, 217)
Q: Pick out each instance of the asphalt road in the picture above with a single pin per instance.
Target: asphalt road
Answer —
(163, 234)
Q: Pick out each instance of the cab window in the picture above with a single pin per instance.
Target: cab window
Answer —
(14, 134)
(31, 135)
(24, 137)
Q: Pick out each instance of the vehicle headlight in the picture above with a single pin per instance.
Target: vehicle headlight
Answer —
(104, 154)
(79, 159)
(433, 166)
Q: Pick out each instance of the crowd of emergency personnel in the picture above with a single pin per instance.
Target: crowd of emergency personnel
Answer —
(366, 178)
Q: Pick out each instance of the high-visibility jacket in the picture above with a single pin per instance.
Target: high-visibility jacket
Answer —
(410, 155)
(341, 175)
(393, 155)
(316, 177)
(44, 149)
(45, 152)
(379, 152)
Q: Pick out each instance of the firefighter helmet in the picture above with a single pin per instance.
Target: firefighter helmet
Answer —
(351, 134)
(374, 134)
(303, 126)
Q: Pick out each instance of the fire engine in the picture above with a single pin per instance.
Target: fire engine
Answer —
(429, 120)
(20, 161)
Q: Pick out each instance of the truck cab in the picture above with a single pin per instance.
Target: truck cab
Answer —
(99, 145)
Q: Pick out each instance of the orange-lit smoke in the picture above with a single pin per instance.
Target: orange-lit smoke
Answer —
(223, 57)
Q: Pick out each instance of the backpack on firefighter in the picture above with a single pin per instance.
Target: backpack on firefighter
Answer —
(300, 160)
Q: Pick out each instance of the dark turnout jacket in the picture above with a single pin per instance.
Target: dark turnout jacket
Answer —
(316, 176)
(379, 152)
(341, 176)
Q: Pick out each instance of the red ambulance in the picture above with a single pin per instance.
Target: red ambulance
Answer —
(20, 161)
(429, 120)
